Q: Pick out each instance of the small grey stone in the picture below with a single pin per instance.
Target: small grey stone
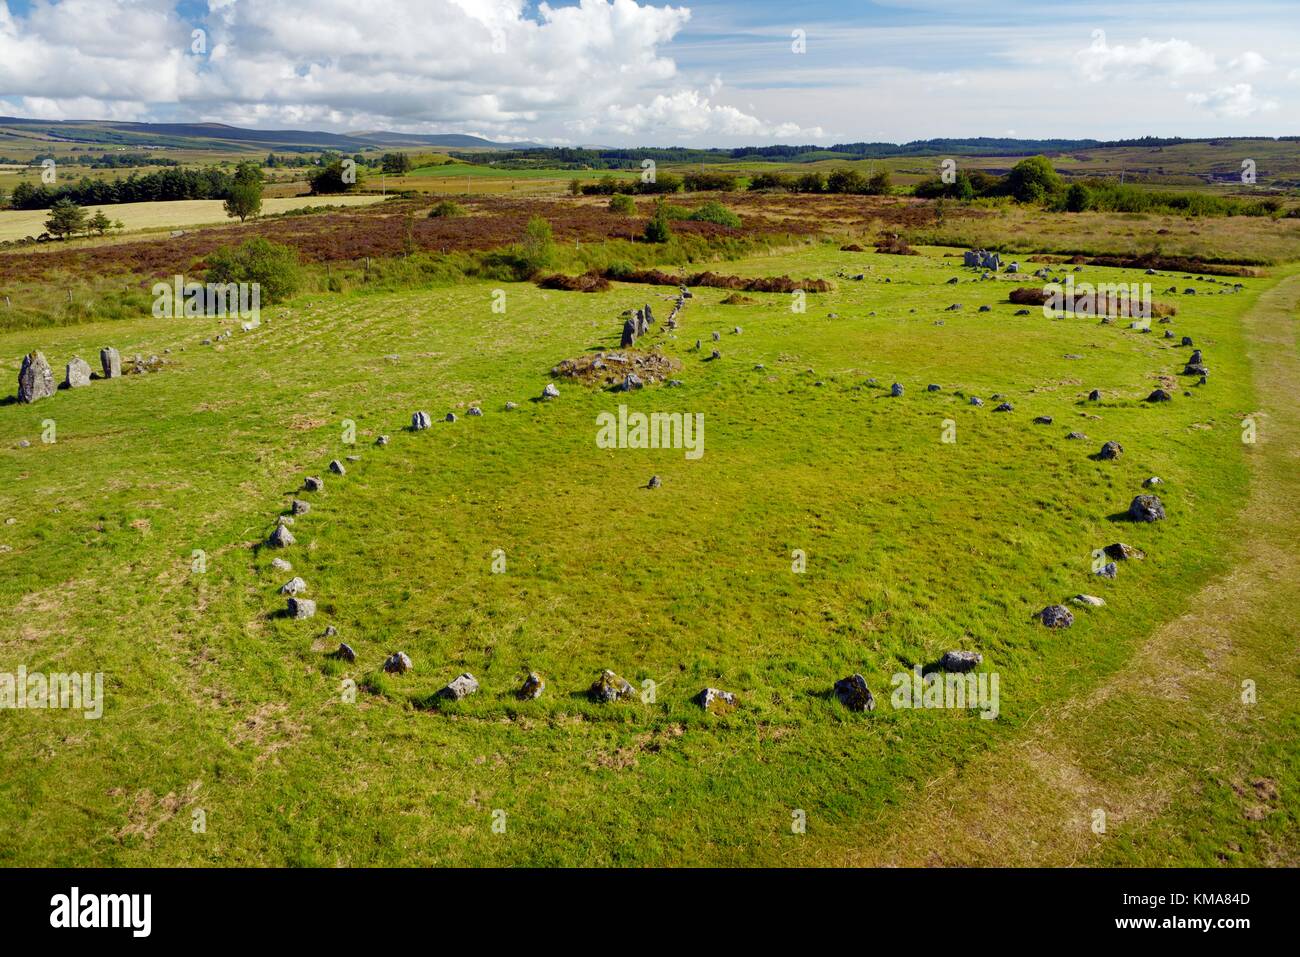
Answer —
(300, 608)
(1122, 552)
(1042, 420)
(313, 484)
(299, 507)
(1146, 508)
(976, 400)
(631, 382)
(1110, 450)
(532, 687)
(1004, 407)
(449, 417)
(381, 440)
(1159, 395)
(511, 405)
(1094, 395)
(932, 388)
(462, 686)
(896, 390)
(281, 537)
(337, 467)
(854, 693)
(420, 421)
(960, 660)
(1076, 435)
(474, 411)
(654, 482)
(1109, 570)
(609, 687)
(550, 392)
(280, 565)
(294, 586)
(715, 700)
(345, 652)
(1056, 616)
(397, 663)
(1153, 480)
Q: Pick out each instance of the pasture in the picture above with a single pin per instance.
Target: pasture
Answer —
(914, 545)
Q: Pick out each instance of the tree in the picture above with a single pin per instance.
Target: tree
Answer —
(845, 180)
(658, 230)
(879, 183)
(244, 198)
(397, 163)
(332, 178)
(99, 222)
(66, 219)
(1078, 198)
(1033, 180)
(538, 246)
(273, 267)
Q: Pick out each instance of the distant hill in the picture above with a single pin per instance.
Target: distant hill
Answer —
(35, 133)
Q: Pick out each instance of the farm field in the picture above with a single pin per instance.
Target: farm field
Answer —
(914, 545)
(18, 223)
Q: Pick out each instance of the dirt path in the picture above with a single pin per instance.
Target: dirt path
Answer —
(1143, 744)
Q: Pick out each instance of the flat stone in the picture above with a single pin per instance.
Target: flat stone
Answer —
(1091, 601)
(280, 565)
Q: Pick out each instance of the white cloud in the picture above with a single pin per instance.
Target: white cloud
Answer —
(1248, 64)
(1166, 59)
(1234, 101)
(689, 114)
(417, 65)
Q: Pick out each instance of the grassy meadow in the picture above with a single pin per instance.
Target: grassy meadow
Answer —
(217, 702)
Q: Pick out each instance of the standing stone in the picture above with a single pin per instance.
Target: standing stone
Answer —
(111, 362)
(629, 334)
(313, 484)
(337, 467)
(294, 586)
(550, 391)
(299, 507)
(1094, 395)
(35, 380)
(345, 652)
(896, 390)
(420, 421)
(77, 373)
(532, 687)
(854, 693)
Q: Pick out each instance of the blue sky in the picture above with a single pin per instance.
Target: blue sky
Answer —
(626, 73)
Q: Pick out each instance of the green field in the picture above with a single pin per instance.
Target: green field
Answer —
(914, 545)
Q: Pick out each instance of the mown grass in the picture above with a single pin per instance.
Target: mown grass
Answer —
(914, 546)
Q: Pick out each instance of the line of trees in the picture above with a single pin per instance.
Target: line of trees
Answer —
(168, 184)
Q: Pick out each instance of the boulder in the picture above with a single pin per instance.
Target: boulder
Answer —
(976, 400)
(550, 392)
(1056, 616)
(932, 388)
(35, 379)
(474, 411)
(610, 687)
(420, 421)
(299, 507)
(345, 652)
(1153, 480)
(280, 565)
(1110, 450)
(1146, 508)
(294, 586)
(462, 686)
(960, 660)
(313, 484)
(1004, 407)
(1042, 420)
(1094, 395)
(532, 687)
(398, 663)
(896, 390)
(1109, 570)
(337, 467)
(110, 360)
(716, 701)
(300, 608)
(1159, 395)
(854, 693)
(631, 382)
(449, 417)
(1187, 340)
(77, 373)
(1076, 435)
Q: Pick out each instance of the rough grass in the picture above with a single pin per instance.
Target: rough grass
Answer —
(914, 546)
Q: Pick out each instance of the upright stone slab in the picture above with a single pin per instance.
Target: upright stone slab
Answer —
(35, 380)
(629, 334)
(77, 373)
(111, 361)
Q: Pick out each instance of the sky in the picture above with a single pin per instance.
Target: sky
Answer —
(628, 73)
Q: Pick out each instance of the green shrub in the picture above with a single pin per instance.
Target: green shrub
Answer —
(446, 208)
(538, 247)
(657, 230)
(272, 266)
(715, 212)
(622, 203)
